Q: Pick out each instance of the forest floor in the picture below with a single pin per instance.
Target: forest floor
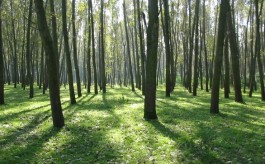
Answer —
(110, 129)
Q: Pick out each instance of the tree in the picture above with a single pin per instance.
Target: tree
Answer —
(54, 31)
(196, 49)
(138, 75)
(166, 28)
(205, 48)
(103, 75)
(227, 70)
(142, 47)
(234, 55)
(67, 53)
(93, 47)
(2, 99)
(53, 68)
(151, 63)
(128, 46)
(28, 52)
(219, 57)
(89, 52)
(257, 49)
(75, 52)
(15, 74)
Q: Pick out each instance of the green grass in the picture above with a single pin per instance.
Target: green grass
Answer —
(110, 128)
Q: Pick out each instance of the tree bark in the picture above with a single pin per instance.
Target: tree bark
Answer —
(142, 47)
(67, 53)
(151, 63)
(219, 57)
(234, 56)
(2, 98)
(257, 50)
(93, 47)
(78, 83)
(28, 52)
(139, 83)
(227, 69)
(128, 46)
(54, 31)
(166, 26)
(196, 49)
(103, 74)
(53, 69)
(89, 53)
(15, 74)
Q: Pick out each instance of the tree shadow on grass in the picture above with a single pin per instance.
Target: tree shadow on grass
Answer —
(23, 141)
(88, 139)
(190, 150)
(17, 114)
(228, 136)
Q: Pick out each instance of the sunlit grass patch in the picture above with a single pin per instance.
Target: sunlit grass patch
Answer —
(109, 128)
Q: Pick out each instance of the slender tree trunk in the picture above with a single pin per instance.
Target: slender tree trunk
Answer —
(246, 52)
(214, 49)
(93, 47)
(128, 47)
(67, 53)
(205, 49)
(151, 63)
(79, 93)
(142, 47)
(54, 31)
(234, 56)
(227, 69)
(196, 50)
(257, 50)
(53, 68)
(136, 46)
(89, 54)
(2, 98)
(28, 52)
(191, 36)
(15, 74)
(165, 24)
(103, 75)
(219, 56)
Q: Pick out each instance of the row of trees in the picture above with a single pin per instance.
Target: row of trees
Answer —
(54, 43)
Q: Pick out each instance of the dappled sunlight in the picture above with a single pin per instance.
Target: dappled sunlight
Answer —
(110, 128)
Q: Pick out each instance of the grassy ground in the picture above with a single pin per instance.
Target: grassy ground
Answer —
(110, 128)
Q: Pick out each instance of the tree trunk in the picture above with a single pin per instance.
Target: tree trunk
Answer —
(142, 47)
(166, 26)
(15, 74)
(89, 54)
(257, 50)
(2, 99)
(136, 46)
(28, 52)
(196, 49)
(128, 46)
(227, 69)
(234, 56)
(67, 53)
(93, 47)
(219, 57)
(151, 63)
(78, 83)
(205, 49)
(54, 31)
(53, 68)
(191, 37)
(103, 74)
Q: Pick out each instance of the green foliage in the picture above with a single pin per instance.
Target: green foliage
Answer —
(110, 128)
